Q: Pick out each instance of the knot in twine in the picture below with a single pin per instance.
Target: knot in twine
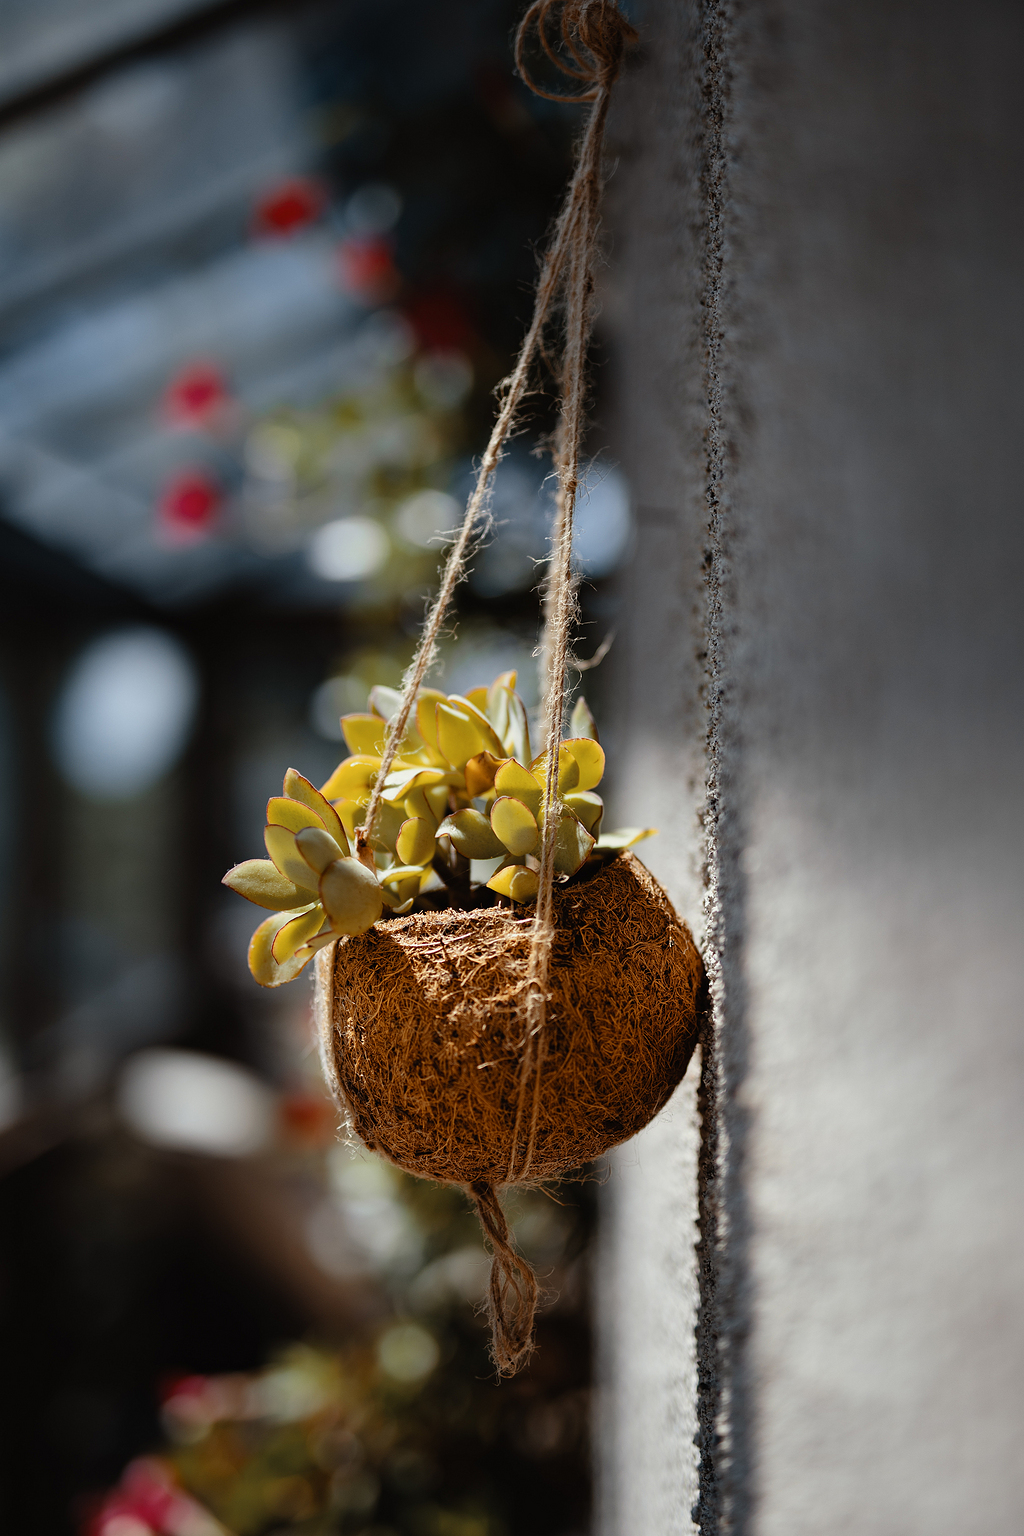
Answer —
(593, 35)
(596, 25)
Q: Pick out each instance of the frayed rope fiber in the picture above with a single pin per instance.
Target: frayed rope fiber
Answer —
(422, 1043)
(477, 1046)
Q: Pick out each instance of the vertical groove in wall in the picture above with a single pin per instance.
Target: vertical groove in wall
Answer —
(707, 1513)
(723, 1431)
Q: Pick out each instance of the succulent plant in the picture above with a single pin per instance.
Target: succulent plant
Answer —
(463, 787)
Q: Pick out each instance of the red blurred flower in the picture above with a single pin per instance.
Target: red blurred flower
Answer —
(189, 505)
(195, 395)
(368, 268)
(290, 206)
(181, 1386)
(147, 1498)
(144, 1494)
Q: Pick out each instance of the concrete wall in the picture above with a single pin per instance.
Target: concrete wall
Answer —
(816, 300)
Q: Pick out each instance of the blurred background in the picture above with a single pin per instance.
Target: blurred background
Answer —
(261, 266)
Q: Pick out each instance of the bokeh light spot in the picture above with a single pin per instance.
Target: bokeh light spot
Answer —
(195, 1103)
(444, 378)
(428, 519)
(125, 713)
(349, 549)
(407, 1352)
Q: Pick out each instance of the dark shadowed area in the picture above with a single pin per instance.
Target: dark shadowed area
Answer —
(261, 267)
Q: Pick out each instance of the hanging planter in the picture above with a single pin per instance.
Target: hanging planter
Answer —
(422, 1034)
(511, 1028)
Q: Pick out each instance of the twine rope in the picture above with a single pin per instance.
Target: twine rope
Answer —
(512, 1292)
(594, 35)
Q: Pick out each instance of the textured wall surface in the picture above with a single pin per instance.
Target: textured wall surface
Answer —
(862, 345)
(646, 1274)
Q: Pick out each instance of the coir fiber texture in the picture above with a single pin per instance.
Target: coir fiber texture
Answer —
(422, 1027)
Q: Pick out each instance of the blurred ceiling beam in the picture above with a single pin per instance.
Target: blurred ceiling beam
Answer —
(33, 79)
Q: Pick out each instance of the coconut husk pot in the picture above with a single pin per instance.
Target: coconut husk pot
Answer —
(422, 1032)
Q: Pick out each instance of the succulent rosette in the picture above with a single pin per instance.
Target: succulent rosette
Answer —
(464, 787)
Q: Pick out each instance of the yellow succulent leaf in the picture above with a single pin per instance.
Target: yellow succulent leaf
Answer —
(282, 848)
(501, 880)
(296, 933)
(401, 884)
(417, 805)
(581, 721)
(568, 770)
(262, 964)
(437, 797)
(588, 807)
(298, 788)
(589, 756)
(478, 698)
(426, 720)
(283, 812)
(309, 949)
(516, 882)
(403, 779)
(415, 842)
(497, 709)
(351, 896)
(492, 741)
(347, 811)
(524, 885)
(479, 773)
(318, 848)
(513, 779)
(516, 736)
(572, 844)
(506, 680)
(507, 714)
(421, 756)
(459, 735)
(385, 702)
(614, 842)
(515, 824)
(399, 872)
(352, 779)
(262, 883)
(364, 733)
(387, 826)
(471, 834)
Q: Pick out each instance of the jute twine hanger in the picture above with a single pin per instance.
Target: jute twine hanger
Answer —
(593, 35)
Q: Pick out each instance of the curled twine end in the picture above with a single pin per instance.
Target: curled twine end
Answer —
(512, 1297)
(596, 26)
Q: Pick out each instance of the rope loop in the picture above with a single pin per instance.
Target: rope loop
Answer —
(594, 34)
(598, 26)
